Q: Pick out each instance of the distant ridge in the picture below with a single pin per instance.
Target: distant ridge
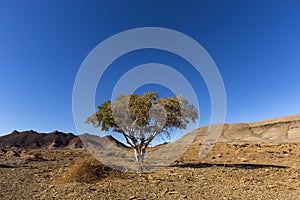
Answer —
(34, 140)
(97, 141)
(53, 140)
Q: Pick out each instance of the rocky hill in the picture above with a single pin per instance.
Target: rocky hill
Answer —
(278, 130)
(54, 140)
(34, 140)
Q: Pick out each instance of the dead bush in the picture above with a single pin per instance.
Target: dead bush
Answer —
(88, 171)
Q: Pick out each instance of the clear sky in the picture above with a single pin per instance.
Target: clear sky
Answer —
(255, 44)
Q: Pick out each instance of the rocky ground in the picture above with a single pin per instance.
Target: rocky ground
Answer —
(230, 171)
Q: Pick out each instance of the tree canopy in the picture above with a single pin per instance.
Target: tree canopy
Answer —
(140, 118)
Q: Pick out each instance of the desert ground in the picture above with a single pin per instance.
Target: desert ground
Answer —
(250, 161)
(231, 171)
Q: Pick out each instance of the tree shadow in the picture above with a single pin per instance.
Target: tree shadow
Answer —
(6, 166)
(243, 166)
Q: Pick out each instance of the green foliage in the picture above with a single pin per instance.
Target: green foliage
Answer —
(134, 108)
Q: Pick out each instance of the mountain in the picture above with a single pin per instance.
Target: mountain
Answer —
(34, 140)
(54, 140)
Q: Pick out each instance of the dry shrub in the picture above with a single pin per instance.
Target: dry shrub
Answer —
(88, 171)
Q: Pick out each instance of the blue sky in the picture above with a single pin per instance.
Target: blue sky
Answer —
(255, 44)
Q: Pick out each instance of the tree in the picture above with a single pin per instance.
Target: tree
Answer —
(142, 118)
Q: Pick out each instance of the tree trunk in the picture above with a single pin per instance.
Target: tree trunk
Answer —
(139, 153)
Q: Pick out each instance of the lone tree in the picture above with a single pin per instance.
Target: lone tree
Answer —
(142, 118)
